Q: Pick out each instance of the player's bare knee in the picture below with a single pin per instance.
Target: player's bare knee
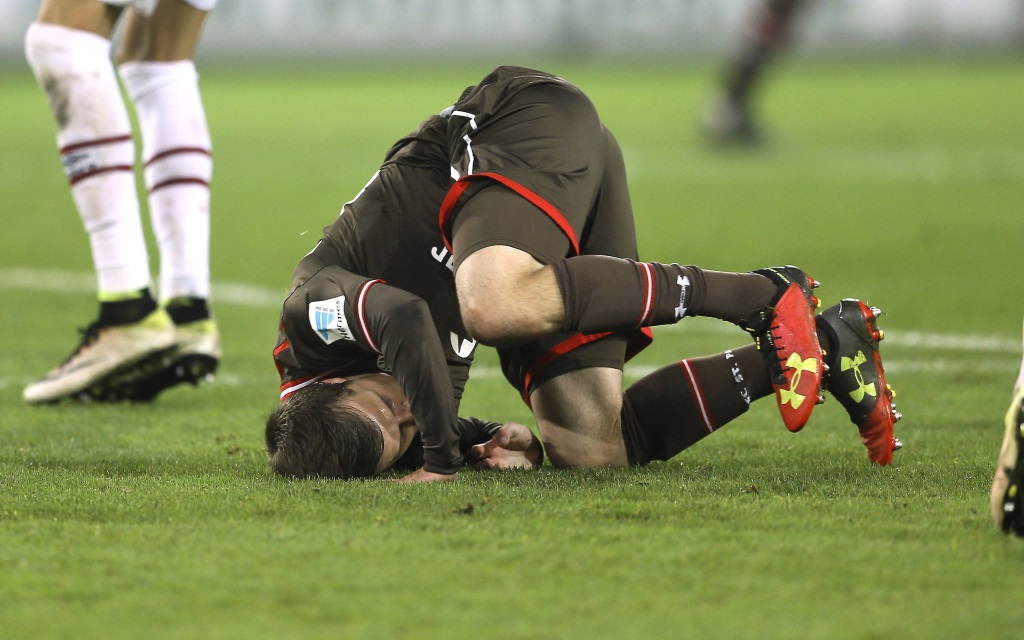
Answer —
(485, 323)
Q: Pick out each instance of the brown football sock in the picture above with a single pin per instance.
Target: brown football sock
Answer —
(677, 405)
(602, 293)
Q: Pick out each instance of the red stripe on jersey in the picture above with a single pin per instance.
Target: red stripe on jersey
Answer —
(698, 395)
(95, 143)
(361, 313)
(290, 387)
(648, 309)
(176, 181)
(284, 346)
(78, 177)
(549, 209)
(177, 150)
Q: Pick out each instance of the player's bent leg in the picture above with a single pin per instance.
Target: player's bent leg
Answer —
(578, 415)
(676, 406)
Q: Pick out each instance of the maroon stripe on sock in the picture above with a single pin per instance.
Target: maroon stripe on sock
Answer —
(698, 395)
(177, 150)
(75, 179)
(95, 143)
(176, 181)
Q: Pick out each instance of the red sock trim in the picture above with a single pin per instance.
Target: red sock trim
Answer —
(95, 143)
(177, 150)
(178, 181)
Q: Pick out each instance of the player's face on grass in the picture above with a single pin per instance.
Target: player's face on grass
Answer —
(383, 402)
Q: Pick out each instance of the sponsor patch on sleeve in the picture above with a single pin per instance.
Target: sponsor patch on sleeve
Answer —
(327, 317)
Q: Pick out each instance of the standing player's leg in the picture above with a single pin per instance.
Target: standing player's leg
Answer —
(157, 68)
(1008, 485)
(68, 49)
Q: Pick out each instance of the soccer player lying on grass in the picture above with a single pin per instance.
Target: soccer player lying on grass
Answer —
(506, 220)
(362, 426)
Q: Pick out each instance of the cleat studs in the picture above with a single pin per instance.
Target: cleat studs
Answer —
(896, 444)
(875, 312)
(879, 335)
(821, 400)
(896, 416)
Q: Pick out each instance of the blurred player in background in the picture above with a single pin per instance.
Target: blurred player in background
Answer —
(506, 219)
(138, 345)
(731, 118)
(1008, 484)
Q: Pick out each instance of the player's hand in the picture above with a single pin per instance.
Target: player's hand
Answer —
(422, 475)
(513, 447)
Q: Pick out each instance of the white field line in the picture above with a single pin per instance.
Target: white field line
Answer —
(921, 164)
(234, 293)
(57, 281)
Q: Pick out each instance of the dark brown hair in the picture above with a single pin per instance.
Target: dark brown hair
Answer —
(315, 434)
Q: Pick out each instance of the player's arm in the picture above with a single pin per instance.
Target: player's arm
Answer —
(334, 310)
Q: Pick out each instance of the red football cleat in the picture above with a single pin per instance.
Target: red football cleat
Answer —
(785, 333)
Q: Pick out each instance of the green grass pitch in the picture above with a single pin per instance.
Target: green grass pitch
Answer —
(901, 182)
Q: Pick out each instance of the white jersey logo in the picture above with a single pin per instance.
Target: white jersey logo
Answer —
(441, 255)
(684, 285)
(463, 348)
(327, 317)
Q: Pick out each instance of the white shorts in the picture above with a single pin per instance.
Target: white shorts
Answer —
(146, 7)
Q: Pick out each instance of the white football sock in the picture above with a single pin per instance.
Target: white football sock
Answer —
(95, 139)
(176, 151)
